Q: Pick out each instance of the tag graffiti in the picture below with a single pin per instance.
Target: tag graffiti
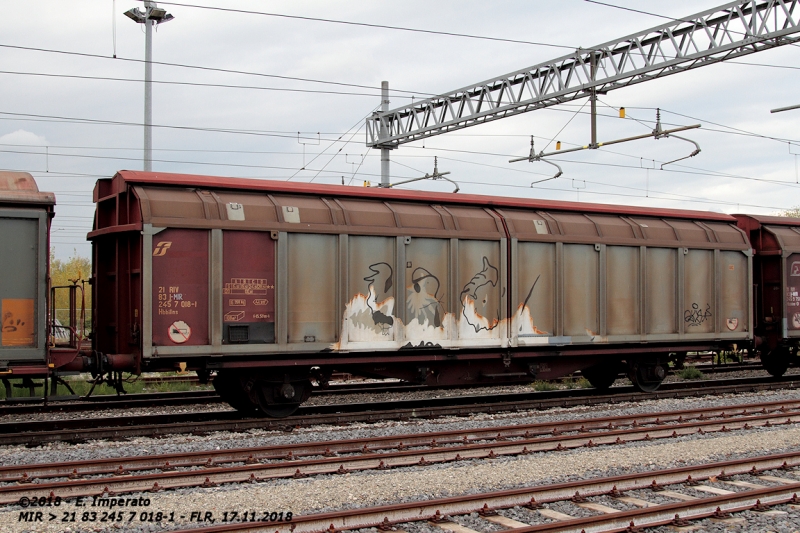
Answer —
(696, 316)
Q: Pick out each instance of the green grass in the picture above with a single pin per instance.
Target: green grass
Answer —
(690, 372)
(542, 386)
(728, 357)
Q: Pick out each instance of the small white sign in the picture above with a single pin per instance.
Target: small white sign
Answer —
(179, 332)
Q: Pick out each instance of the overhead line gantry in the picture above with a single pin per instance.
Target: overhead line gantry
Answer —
(729, 31)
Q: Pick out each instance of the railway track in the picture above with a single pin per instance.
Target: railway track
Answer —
(702, 364)
(211, 468)
(129, 401)
(78, 430)
(696, 492)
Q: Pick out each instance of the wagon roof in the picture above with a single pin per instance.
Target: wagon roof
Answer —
(771, 220)
(21, 188)
(247, 184)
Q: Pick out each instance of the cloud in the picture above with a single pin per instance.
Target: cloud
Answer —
(24, 138)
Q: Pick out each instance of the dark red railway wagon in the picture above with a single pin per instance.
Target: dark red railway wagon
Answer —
(776, 276)
(271, 284)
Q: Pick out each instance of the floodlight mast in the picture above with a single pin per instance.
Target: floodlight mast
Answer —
(151, 16)
(729, 31)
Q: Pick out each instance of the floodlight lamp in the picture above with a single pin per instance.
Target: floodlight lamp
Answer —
(135, 15)
(159, 15)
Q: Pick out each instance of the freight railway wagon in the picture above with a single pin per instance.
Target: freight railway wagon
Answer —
(25, 215)
(776, 287)
(274, 284)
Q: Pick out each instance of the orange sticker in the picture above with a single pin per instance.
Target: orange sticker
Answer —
(18, 322)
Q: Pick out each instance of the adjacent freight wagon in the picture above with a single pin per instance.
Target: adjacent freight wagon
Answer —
(274, 284)
(776, 287)
(25, 215)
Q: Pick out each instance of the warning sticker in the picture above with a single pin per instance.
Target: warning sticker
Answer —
(18, 322)
(179, 332)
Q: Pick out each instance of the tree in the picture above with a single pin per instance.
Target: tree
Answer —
(64, 273)
(793, 212)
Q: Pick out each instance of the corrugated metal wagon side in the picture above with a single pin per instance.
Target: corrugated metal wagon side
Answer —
(272, 284)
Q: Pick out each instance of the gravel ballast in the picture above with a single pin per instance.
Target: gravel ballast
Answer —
(419, 483)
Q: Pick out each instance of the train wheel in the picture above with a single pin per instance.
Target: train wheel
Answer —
(601, 376)
(776, 361)
(231, 389)
(279, 400)
(646, 374)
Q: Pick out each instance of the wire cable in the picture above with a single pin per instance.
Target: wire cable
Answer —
(193, 84)
(210, 69)
(368, 25)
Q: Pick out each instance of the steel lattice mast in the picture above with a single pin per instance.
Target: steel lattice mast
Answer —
(732, 30)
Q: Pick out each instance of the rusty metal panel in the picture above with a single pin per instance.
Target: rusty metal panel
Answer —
(304, 210)
(699, 304)
(734, 292)
(175, 203)
(581, 265)
(661, 290)
(656, 230)
(427, 286)
(311, 294)
(535, 302)
(372, 280)
(180, 287)
(254, 207)
(690, 232)
(367, 213)
(127, 177)
(471, 220)
(793, 292)
(613, 227)
(479, 277)
(20, 188)
(788, 238)
(576, 225)
(728, 234)
(622, 290)
(248, 287)
(417, 216)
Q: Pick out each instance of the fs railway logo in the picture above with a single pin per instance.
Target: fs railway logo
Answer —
(795, 269)
(161, 248)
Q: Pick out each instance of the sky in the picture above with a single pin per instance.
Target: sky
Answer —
(273, 118)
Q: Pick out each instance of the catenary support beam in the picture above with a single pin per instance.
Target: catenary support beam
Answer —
(729, 31)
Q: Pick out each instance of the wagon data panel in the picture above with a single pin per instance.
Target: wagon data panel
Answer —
(248, 287)
(180, 288)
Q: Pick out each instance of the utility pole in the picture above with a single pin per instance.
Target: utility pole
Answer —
(384, 134)
(151, 16)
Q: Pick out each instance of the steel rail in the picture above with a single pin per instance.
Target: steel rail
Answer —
(36, 433)
(141, 400)
(76, 469)
(368, 459)
(436, 509)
